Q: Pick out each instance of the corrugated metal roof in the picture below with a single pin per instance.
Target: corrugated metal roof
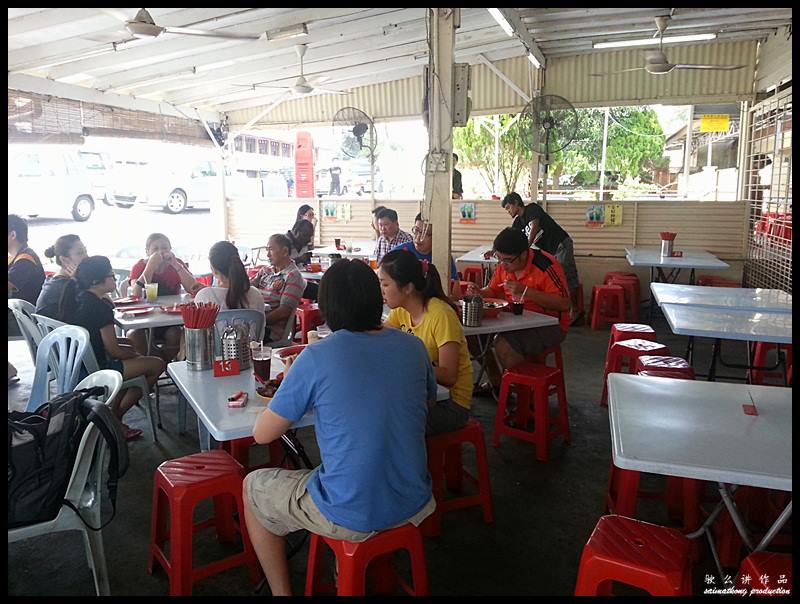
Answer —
(400, 98)
(569, 76)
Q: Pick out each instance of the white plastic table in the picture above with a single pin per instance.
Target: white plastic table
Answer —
(154, 319)
(736, 298)
(691, 259)
(366, 248)
(728, 324)
(699, 430)
(208, 397)
(476, 256)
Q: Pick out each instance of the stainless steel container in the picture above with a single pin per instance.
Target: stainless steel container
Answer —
(666, 248)
(236, 344)
(472, 311)
(199, 348)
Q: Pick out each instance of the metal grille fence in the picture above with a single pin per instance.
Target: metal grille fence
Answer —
(768, 188)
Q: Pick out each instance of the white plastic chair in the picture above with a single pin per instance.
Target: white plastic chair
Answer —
(91, 364)
(63, 351)
(23, 313)
(104, 378)
(85, 493)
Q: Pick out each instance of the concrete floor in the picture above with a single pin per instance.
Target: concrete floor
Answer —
(544, 511)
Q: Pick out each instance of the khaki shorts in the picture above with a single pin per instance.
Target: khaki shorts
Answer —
(280, 501)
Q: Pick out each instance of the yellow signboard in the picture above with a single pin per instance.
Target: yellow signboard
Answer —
(714, 122)
(613, 214)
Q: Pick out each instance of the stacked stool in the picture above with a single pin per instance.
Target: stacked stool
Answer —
(607, 305)
(650, 557)
(353, 558)
(474, 274)
(309, 317)
(178, 486)
(624, 353)
(630, 283)
(444, 466)
(527, 377)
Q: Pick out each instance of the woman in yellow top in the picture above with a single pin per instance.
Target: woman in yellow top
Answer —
(413, 290)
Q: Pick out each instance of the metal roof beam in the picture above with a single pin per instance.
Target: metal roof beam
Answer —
(521, 31)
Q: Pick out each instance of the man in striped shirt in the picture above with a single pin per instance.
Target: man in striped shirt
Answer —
(390, 234)
(281, 284)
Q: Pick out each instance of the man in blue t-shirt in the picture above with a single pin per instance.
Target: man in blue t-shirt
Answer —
(422, 245)
(369, 390)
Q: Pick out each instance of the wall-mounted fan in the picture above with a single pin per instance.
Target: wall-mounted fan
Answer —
(143, 26)
(357, 130)
(656, 61)
(551, 124)
(302, 86)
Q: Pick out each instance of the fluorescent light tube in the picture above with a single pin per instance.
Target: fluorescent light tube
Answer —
(292, 31)
(534, 60)
(655, 41)
(501, 20)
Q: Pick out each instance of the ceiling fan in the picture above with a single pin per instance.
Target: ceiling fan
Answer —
(301, 86)
(143, 26)
(656, 61)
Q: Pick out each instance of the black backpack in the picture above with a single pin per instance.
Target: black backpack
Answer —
(42, 448)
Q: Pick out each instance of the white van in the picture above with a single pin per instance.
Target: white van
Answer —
(48, 182)
(173, 190)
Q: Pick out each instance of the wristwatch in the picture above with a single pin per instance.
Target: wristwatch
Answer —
(140, 283)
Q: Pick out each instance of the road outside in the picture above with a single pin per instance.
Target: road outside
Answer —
(121, 233)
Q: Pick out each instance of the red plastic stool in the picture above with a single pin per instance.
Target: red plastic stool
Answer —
(239, 449)
(626, 352)
(541, 358)
(776, 568)
(444, 461)
(474, 274)
(539, 379)
(631, 287)
(178, 486)
(757, 376)
(608, 305)
(647, 556)
(309, 317)
(654, 364)
(611, 274)
(353, 559)
(629, 331)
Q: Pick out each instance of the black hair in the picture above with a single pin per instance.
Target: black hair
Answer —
(155, 237)
(350, 296)
(510, 241)
(303, 226)
(20, 226)
(302, 210)
(90, 272)
(387, 213)
(61, 247)
(404, 267)
(378, 210)
(513, 199)
(455, 157)
(418, 217)
(224, 258)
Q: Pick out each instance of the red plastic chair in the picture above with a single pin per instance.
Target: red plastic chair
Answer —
(444, 465)
(535, 382)
(309, 317)
(757, 376)
(353, 559)
(650, 557)
(178, 486)
(239, 449)
(776, 568)
(474, 274)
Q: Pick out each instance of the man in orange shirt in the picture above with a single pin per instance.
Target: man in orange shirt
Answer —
(537, 277)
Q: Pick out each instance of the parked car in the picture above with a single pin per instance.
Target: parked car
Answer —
(99, 169)
(173, 190)
(49, 183)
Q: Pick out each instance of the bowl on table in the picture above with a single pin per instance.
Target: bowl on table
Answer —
(493, 306)
(287, 353)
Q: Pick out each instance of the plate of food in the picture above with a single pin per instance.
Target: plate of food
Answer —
(267, 391)
(289, 354)
(493, 306)
(174, 309)
(128, 300)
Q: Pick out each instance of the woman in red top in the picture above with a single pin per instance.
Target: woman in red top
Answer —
(162, 267)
